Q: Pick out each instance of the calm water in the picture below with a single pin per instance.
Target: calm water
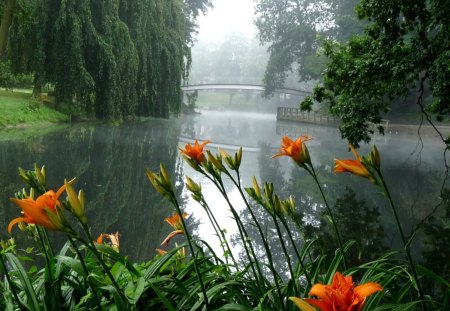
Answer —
(109, 161)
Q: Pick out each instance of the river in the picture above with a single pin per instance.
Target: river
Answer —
(108, 161)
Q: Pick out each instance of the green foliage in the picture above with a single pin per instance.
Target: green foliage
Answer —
(110, 59)
(9, 80)
(404, 50)
(87, 275)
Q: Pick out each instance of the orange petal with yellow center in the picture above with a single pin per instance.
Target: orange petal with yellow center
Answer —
(15, 221)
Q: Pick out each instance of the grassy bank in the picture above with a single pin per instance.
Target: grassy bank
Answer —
(19, 108)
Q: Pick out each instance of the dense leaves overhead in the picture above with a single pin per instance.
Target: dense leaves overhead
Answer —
(112, 59)
(405, 50)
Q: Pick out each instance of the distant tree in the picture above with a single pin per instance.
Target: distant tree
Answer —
(237, 59)
(405, 49)
(291, 28)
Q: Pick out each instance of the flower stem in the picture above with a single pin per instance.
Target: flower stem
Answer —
(243, 234)
(402, 235)
(191, 247)
(308, 279)
(312, 172)
(219, 232)
(258, 226)
(283, 246)
(85, 269)
(90, 244)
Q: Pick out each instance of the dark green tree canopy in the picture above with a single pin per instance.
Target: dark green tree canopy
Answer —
(405, 49)
(112, 59)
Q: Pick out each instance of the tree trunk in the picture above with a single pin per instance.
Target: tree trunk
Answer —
(5, 24)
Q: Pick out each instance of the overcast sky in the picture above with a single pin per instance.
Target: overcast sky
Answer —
(227, 16)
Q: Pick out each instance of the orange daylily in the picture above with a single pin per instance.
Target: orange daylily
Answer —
(42, 211)
(160, 252)
(355, 167)
(195, 152)
(297, 149)
(177, 225)
(341, 294)
(113, 239)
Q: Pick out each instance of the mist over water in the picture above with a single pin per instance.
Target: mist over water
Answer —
(109, 161)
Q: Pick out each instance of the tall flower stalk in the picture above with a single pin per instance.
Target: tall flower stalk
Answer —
(234, 163)
(369, 167)
(298, 152)
(197, 195)
(161, 182)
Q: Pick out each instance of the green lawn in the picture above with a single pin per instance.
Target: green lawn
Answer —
(18, 108)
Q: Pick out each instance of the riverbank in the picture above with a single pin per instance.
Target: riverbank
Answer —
(18, 108)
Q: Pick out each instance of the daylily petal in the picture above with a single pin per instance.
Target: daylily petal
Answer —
(161, 252)
(356, 166)
(367, 289)
(171, 236)
(355, 153)
(15, 221)
(318, 290)
(35, 213)
(297, 149)
(341, 294)
(100, 239)
(195, 152)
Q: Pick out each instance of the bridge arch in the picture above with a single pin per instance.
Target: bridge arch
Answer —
(204, 87)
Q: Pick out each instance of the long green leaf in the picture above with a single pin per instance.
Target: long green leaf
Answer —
(163, 298)
(160, 262)
(33, 303)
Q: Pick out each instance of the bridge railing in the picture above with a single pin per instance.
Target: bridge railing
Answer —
(295, 114)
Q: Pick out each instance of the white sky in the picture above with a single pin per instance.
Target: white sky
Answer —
(226, 17)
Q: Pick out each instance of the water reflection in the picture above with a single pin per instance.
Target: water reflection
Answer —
(109, 161)
(413, 174)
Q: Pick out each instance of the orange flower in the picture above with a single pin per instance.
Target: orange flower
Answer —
(177, 225)
(342, 294)
(356, 167)
(113, 239)
(195, 152)
(297, 149)
(43, 211)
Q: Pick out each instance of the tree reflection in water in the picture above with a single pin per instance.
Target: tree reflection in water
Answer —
(108, 162)
(362, 214)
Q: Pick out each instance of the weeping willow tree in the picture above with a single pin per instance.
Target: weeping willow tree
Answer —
(111, 58)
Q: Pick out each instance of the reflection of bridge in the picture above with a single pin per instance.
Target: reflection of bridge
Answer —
(202, 87)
